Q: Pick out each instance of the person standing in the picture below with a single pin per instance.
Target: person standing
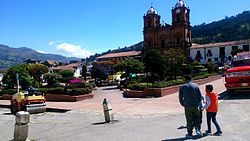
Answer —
(212, 109)
(190, 98)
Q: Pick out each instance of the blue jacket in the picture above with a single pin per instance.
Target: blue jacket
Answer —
(190, 95)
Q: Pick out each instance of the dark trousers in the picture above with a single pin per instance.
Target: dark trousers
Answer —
(212, 116)
(193, 118)
(200, 119)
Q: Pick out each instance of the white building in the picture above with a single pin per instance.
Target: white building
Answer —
(1, 78)
(75, 67)
(217, 52)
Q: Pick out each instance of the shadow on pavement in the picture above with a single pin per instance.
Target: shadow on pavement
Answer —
(239, 95)
(182, 127)
(196, 137)
(101, 123)
(4, 106)
(111, 88)
(55, 110)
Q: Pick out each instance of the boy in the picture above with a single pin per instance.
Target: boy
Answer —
(212, 109)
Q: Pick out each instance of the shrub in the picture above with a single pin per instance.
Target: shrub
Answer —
(205, 75)
(8, 91)
(136, 86)
(168, 83)
(79, 91)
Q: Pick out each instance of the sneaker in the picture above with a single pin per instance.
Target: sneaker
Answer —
(188, 136)
(208, 132)
(198, 132)
(218, 133)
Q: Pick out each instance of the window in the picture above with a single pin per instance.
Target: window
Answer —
(222, 52)
(209, 60)
(216, 59)
(234, 47)
(209, 53)
(246, 47)
(198, 56)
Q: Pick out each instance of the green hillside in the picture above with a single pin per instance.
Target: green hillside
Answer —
(228, 29)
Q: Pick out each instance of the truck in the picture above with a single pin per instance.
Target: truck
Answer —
(237, 78)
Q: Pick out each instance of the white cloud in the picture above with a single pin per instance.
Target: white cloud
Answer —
(51, 43)
(40, 51)
(72, 50)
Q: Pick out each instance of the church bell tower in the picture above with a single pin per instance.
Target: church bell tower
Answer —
(181, 26)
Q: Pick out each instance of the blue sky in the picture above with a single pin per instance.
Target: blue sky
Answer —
(79, 28)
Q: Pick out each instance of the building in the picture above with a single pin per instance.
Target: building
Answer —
(162, 36)
(75, 67)
(217, 53)
(106, 63)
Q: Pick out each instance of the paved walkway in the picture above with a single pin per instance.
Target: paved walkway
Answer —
(132, 106)
(128, 106)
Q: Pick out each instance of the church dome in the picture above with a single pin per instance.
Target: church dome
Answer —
(152, 10)
(180, 3)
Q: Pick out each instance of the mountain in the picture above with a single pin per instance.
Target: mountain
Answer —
(228, 29)
(11, 56)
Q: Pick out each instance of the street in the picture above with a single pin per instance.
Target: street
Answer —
(150, 119)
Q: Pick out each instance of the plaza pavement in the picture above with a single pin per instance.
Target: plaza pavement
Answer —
(133, 106)
(146, 119)
(130, 106)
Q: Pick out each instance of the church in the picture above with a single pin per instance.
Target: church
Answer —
(162, 36)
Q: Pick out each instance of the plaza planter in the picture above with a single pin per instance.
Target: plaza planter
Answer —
(6, 97)
(67, 98)
(134, 94)
(159, 92)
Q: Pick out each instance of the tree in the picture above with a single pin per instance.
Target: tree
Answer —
(235, 51)
(97, 73)
(66, 75)
(84, 71)
(52, 78)
(154, 63)
(25, 79)
(174, 58)
(37, 70)
(129, 66)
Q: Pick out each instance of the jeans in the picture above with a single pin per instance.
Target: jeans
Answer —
(193, 118)
(212, 116)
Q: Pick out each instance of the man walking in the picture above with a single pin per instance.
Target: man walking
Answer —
(190, 97)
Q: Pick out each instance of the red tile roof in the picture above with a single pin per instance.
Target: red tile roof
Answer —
(120, 54)
(223, 44)
(67, 67)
